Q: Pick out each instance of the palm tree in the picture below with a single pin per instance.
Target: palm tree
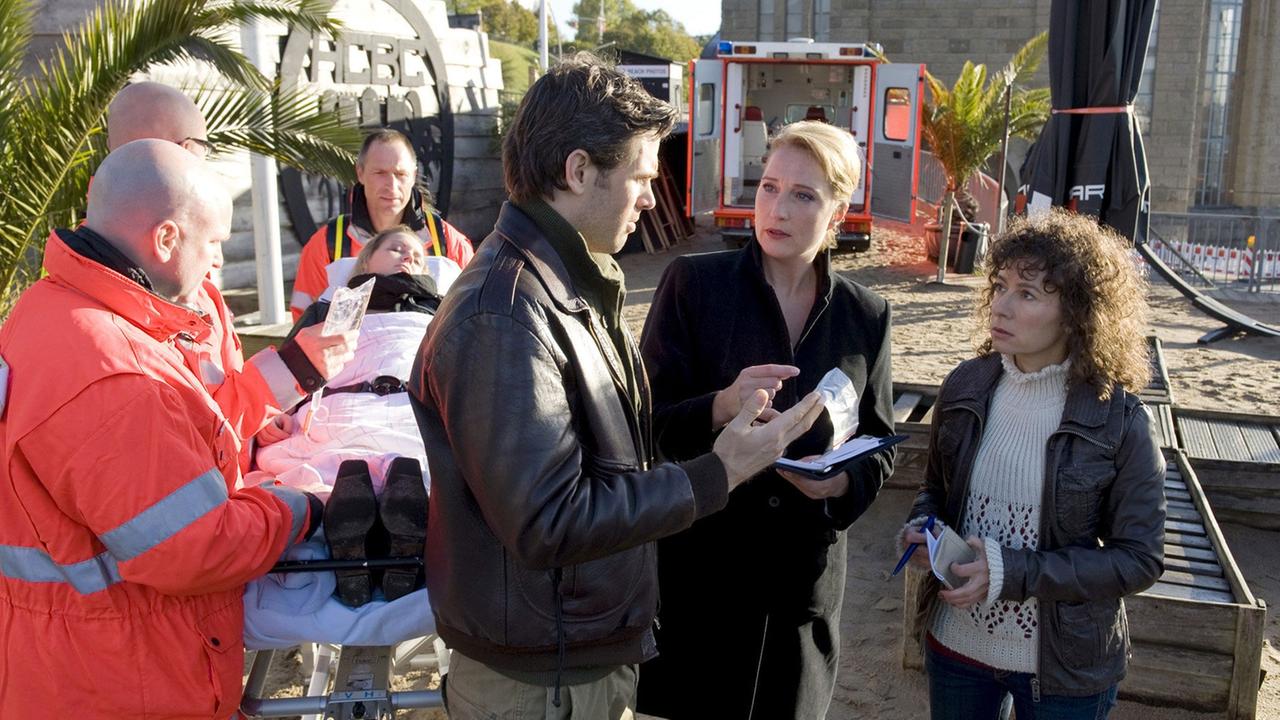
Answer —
(965, 124)
(52, 121)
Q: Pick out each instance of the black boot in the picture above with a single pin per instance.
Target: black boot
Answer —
(348, 516)
(403, 510)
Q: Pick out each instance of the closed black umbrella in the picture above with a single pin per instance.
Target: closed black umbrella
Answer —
(1089, 156)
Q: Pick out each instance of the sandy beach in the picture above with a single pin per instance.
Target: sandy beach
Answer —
(932, 333)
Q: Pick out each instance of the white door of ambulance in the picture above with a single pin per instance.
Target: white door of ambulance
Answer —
(705, 122)
(895, 157)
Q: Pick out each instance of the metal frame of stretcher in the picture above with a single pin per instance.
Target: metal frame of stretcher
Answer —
(362, 674)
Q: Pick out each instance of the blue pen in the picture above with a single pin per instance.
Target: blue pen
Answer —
(926, 527)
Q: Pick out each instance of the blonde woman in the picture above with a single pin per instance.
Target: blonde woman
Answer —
(1043, 458)
(750, 596)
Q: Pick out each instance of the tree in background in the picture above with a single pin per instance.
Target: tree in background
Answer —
(628, 28)
(52, 121)
(506, 20)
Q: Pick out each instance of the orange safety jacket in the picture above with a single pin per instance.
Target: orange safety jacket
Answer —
(124, 541)
(346, 235)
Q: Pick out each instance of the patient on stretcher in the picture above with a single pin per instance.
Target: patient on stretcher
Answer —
(359, 445)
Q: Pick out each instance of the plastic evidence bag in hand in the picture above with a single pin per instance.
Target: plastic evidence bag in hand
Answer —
(346, 310)
(841, 401)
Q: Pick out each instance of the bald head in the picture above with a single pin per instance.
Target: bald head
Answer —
(154, 110)
(161, 207)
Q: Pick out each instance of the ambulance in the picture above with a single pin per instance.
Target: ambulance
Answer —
(750, 90)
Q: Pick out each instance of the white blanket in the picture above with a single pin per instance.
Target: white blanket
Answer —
(350, 426)
(285, 610)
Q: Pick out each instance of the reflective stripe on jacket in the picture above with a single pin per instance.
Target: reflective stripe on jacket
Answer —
(124, 543)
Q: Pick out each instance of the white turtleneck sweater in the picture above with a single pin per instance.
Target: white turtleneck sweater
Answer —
(1003, 508)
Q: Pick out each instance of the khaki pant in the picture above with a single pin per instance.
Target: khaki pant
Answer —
(477, 692)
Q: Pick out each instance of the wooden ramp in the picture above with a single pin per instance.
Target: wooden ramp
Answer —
(1237, 458)
(1197, 633)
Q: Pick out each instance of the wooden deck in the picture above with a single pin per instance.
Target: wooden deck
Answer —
(1197, 633)
(1237, 458)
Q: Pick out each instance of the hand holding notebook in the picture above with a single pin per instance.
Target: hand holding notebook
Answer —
(946, 549)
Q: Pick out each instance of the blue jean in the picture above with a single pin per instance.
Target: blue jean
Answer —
(960, 691)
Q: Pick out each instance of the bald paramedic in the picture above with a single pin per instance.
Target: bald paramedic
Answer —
(125, 543)
(251, 393)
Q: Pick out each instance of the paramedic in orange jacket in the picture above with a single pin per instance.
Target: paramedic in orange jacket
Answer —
(251, 393)
(386, 195)
(124, 541)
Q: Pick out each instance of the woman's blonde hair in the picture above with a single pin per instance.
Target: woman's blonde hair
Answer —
(1104, 309)
(835, 151)
(362, 260)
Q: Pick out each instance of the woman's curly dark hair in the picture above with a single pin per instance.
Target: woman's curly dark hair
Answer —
(1103, 299)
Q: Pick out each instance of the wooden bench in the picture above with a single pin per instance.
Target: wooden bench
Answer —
(1237, 458)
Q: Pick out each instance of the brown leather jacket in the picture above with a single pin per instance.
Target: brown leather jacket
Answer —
(544, 503)
(1101, 521)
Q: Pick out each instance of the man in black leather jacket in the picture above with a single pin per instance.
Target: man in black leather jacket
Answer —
(534, 407)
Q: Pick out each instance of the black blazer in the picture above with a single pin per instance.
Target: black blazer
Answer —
(768, 570)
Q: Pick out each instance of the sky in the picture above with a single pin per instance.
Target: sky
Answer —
(700, 17)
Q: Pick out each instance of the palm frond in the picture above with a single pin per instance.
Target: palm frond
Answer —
(964, 123)
(50, 140)
(307, 14)
(286, 125)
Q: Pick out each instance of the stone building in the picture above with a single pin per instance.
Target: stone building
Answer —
(1209, 103)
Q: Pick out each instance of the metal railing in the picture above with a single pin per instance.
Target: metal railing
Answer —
(933, 185)
(1228, 251)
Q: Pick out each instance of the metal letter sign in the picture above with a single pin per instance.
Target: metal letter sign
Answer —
(385, 69)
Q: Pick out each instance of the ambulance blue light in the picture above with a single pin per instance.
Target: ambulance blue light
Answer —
(724, 48)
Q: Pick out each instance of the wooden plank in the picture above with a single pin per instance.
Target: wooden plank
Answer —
(1205, 582)
(1181, 504)
(1260, 443)
(1182, 513)
(1209, 568)
(1182, 552)
(1247, 665)
(1185, 528)
(1176, 676)
(1239, 587)
(1231, 416)
(1191, 593)
(1207, 628)
(903, 406)
(1228, 440)
(1195, 541)
(1196, 438)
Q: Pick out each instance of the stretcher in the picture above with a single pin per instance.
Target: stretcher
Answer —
(347, 682)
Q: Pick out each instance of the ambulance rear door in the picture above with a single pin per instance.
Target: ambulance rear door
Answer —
(705, 122)
(895, 157)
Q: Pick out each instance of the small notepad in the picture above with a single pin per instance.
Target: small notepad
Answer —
(946, 549)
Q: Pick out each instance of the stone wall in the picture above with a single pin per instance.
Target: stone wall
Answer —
(1174, 135)
(1253, 173)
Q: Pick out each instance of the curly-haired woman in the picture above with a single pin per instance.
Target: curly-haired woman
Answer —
(1043, 458)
